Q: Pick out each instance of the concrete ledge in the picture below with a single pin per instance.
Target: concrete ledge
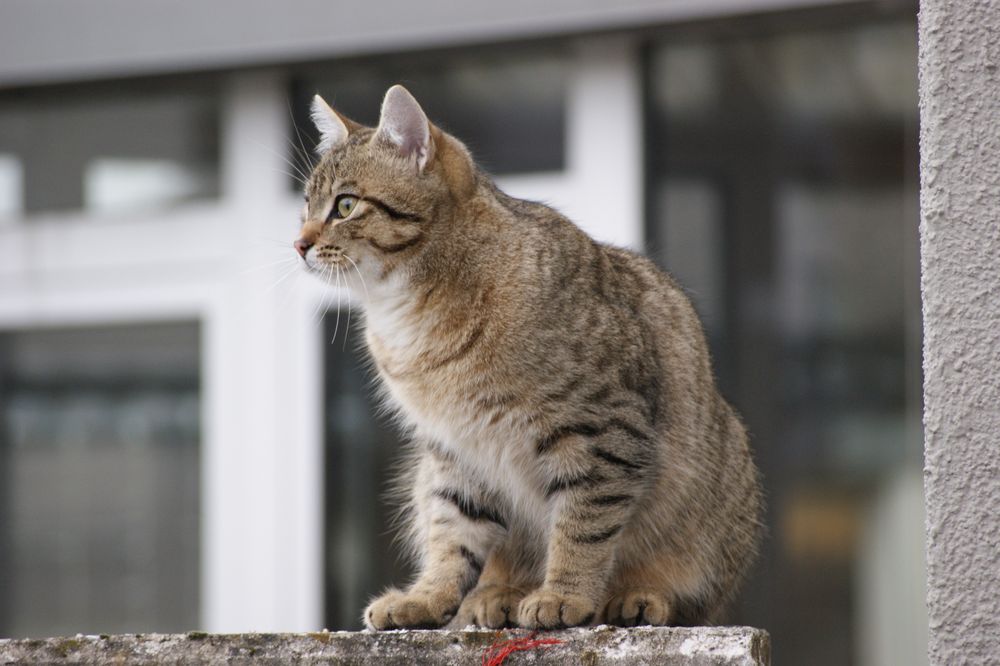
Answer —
(702, 646)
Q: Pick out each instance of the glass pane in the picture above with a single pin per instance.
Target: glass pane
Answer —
(864, 72)
(362, 452)
(99, 440)
(839, 281)
(692, 244)
(783, 195)
(509, 110)
(108, 147)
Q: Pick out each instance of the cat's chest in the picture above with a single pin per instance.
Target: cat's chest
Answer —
(455, 408)
(432, 375)
(448, 382)
(467, 408)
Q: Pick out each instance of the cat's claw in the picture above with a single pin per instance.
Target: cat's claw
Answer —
(399, 610)
(636, 607)
(490, 606)
(547, 609)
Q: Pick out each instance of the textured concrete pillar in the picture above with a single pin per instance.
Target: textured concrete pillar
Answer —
(960, 254)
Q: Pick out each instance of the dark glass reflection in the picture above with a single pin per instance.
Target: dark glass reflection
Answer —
(99, 480)
(108, 147)
(362, 557)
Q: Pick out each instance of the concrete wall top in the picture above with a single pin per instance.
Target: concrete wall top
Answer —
(697, 646)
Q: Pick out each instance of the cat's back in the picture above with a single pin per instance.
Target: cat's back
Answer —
(588, 293)
(559, 255)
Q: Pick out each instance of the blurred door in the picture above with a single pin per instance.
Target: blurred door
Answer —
(783, 195)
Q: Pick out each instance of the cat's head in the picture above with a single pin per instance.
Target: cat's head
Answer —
(380, 200)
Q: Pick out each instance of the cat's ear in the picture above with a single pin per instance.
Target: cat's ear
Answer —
(333, 130)
(404, 124)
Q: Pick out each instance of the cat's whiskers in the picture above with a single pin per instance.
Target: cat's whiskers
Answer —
(299, 174)
(259, 241)
(284, 276)
(360, 277)
(336, 326)
(304, 155)
(294, 288)
(318, 311)
(327, 277)
(347, 331)
(270, 264)
(289, 174)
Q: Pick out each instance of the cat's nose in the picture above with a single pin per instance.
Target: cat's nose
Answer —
(302, 246)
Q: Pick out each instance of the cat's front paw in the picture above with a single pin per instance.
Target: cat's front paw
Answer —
(635, 607)
(491, 606)
(548, 609)
(401, 610)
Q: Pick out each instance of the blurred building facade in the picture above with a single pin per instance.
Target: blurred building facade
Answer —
(187, 436)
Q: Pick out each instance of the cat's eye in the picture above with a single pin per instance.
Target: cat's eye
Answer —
(343, 206)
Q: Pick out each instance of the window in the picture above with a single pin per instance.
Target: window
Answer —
(509, 110)
(783, 194)
(99, 480)
(108, 147)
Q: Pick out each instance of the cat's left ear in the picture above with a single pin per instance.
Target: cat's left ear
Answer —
(333, 130)
(404, 124)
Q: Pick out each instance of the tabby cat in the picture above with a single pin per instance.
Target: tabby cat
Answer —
(573, 461)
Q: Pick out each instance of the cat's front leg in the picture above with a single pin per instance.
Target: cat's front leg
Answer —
(598, 473)
(456, 526)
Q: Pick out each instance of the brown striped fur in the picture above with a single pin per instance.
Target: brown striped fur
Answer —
(573, 460)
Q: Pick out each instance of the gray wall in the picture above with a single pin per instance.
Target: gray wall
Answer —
(960, 247)
(54, 40)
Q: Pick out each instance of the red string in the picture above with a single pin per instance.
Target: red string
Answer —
(497, 653)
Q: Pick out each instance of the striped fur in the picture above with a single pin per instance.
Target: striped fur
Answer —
(573, 460)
